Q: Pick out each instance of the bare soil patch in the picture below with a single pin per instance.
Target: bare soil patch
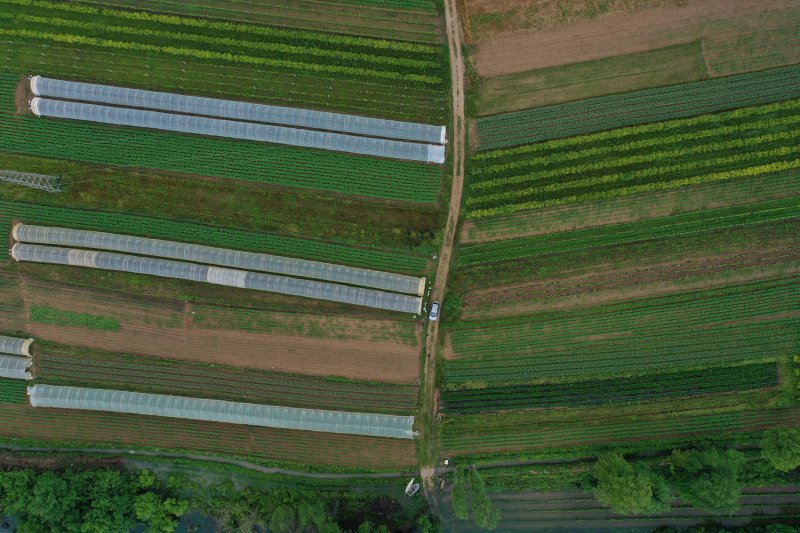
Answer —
(164, 328)
(616, 35)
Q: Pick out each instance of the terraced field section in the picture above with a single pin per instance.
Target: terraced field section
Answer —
(627, 276)
(246, 161)
(408, 20)
(233, 60)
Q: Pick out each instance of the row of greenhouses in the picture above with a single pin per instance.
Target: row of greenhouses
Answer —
(237, 120)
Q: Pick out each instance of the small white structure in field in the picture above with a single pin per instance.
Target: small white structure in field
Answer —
(412, 488)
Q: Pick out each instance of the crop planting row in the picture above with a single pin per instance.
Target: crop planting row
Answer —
(177, 230)
(510, 433)
(632, 208)
(63, 427)
(13, 391)
(92, 368)
(720, 326)
(616, 234)
(392, 67)
(747, 142)
(413, 20)
(639, 107)
(611, 391)
(223, 158)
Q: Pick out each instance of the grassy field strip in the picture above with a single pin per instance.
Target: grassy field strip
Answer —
(59, 317)
(270, 58)
(655, 228)
(459, 436)
(611, 391)
(631, 208)
(84, 367)
(393, 20)
(649, 105)
(304, 449)
(159, 228)
(618, 74)
(324, 326)
(720, 326)
(248, 161)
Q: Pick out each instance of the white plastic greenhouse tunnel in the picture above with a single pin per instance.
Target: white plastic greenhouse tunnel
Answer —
(217, 275)
(375, 425)
(15, 357)
(245, 111)
(97, 240)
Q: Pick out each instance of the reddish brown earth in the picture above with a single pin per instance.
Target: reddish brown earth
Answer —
(164, 329)
(612, 36)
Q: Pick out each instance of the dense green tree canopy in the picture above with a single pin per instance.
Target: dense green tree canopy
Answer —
(707, 478)
(624, 488)
(781, 447)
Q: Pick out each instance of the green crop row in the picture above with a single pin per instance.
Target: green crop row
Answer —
(206, 25)
(13, 391)
(614, 234)
(225, 158)
(639, 107)
(177, 230)
(721, 326)
(611, 391)
(750, 171)
(505, 433)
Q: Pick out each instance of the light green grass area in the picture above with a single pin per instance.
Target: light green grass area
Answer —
(555, 85)
(59, 317)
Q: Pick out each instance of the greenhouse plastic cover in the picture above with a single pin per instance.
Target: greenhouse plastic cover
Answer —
(222, 411)
(219, 256)
(14, 346)
(14, 367)
(426, 153)
(213, 107)
(217, 275)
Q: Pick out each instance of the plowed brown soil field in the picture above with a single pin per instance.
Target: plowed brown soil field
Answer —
(165, 329)
(618, 35)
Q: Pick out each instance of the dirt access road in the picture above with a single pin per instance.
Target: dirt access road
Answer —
(454, 40)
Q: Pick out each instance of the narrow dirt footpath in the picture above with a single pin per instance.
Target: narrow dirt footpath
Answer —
(454, 40)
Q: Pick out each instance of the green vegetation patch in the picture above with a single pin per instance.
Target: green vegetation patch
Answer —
(13, 391)
(59, 317)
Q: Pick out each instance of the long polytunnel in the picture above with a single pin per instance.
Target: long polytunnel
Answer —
(14, 346)
(426, 153)
(219, 256)
(214, 107)
(15, 367)
(217, 275)
(375, 425)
